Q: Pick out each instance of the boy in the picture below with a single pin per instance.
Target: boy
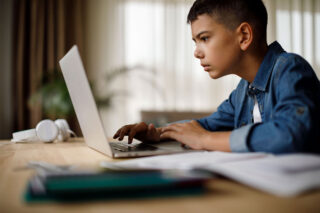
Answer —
(275, 107)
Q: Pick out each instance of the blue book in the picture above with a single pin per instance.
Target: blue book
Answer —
(79, 186)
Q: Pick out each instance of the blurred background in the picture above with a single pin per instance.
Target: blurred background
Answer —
(138, 56)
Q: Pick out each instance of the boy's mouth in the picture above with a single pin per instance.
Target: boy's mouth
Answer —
(206, 67)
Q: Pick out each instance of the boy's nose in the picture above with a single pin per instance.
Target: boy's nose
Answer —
(198, 54)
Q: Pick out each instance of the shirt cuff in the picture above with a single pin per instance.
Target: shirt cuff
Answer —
(238, 139)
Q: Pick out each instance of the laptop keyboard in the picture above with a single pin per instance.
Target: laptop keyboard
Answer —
(122, 147)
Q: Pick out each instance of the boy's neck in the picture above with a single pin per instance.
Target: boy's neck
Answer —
(251, 62)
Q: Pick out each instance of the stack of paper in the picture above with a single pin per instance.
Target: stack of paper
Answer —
(282, 175)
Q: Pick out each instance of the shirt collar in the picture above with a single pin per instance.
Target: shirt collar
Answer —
(261, 80)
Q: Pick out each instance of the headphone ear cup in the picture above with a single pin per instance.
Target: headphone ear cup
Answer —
(47, 130)
(64, 129)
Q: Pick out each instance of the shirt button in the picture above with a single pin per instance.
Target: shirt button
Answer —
(243, 124)
(300, 110)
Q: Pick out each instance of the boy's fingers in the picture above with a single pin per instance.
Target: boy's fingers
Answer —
(117, 134)
(119, 131)
(172, 127)
(135, 130)
(168, 134)
(130, 130)
(124, 131)
(151, 129)
(131, 135)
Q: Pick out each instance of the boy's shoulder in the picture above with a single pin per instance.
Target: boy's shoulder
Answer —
(293, 59)
(293, 72)
(279, 59)
(280, 65)
(289, 65)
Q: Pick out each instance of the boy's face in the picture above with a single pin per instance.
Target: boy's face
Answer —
(217, 47)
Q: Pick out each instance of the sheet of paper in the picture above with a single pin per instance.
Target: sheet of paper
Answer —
(285, 175)
(188, 160)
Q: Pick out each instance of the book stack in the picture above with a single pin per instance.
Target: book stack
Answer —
(69, 186)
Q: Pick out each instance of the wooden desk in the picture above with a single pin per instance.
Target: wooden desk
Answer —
(224, 195)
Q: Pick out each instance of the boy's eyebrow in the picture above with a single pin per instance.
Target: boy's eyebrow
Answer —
(199, 34)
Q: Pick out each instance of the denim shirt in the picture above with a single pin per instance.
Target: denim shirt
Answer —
(288, 95)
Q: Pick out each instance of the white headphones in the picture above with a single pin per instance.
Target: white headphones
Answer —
(45, 131)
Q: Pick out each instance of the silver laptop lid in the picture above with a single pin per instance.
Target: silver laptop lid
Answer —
(83, 101)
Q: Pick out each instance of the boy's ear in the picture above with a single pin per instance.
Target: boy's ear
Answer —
(245, 35)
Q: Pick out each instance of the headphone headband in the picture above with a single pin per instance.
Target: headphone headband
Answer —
(45, 131)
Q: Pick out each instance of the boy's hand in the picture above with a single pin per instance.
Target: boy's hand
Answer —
(140, 131)
(196, 137)
(190, 133)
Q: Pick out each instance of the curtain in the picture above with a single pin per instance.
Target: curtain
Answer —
(296, 25)
(5, 67)
(43, 32)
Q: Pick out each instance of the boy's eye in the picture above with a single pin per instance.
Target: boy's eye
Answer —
(204, 38)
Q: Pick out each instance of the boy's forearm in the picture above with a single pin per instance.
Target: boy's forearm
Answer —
(217, 141)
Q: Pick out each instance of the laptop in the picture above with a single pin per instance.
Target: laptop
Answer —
(90, 121)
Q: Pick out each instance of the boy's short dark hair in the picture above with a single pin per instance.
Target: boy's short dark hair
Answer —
(231, 13)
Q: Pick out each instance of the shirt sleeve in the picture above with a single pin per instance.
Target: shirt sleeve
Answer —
(294, 126)
(223, 118)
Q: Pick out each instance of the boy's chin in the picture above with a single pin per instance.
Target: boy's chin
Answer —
(214, 75)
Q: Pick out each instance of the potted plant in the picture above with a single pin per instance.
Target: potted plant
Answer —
(53, 96)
